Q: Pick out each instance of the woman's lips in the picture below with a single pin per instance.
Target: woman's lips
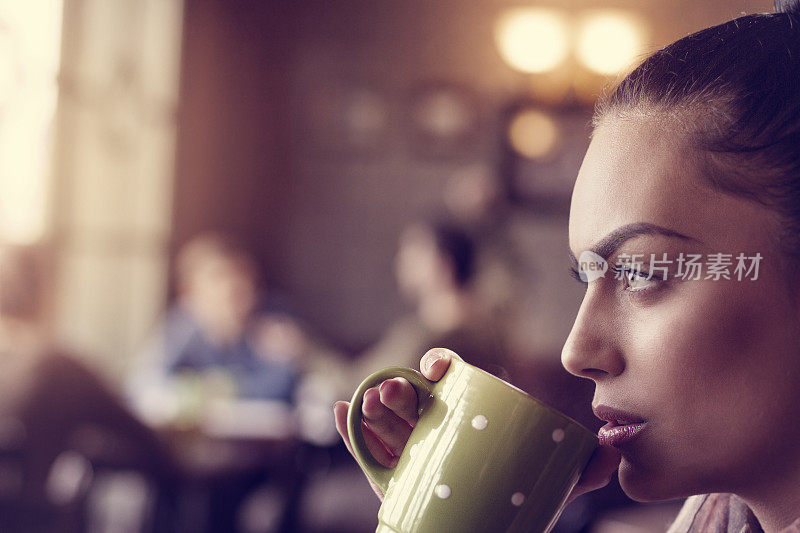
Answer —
(622, 427)
(614, 435)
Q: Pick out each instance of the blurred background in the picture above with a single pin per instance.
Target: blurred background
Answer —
(216, 217)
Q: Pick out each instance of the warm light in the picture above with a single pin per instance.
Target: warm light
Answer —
(609, 41)
(443, 114)
(30, 40)
(532, 39)
(533, 134)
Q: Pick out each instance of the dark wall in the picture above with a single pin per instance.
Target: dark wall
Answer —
(233, 156)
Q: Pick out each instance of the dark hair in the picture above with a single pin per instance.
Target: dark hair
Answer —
(734, 91)
(457, 246)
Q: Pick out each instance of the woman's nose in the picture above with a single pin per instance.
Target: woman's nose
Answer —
(592, 348)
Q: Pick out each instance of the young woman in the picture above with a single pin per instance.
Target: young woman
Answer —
(696, 153)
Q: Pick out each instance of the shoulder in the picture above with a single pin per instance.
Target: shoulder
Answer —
(794, 528)
(57, 372)
(61, 363)
(719, 512)
(683, 522)
(43, 365)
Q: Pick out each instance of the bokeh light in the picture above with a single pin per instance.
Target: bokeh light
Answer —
(609, 41)
(533, 39)
(533, 134)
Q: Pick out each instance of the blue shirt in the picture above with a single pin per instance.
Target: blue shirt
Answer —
(255, 376)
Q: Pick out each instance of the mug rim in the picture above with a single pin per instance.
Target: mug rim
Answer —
(528, 396)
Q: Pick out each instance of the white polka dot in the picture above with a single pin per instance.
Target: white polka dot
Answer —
(558, 435)
(412, 450)
(517, 499)
(480, 422)
(442, 491)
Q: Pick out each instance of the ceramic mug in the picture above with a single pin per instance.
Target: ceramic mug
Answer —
(484, 456)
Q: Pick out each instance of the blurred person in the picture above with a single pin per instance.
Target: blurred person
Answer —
(217, 335)
(435, 267)
(475, 197)
(227, 364)
(55, 411)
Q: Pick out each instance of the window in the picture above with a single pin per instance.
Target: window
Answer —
(30, 44)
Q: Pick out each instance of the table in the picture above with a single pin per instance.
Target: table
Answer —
(223, 455)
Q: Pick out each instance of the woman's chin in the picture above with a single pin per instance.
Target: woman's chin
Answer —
(646, 484)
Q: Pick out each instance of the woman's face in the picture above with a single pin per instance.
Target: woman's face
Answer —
(418, 264)
(711, 366)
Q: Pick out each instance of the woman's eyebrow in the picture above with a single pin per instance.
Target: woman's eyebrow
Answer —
(609, 244)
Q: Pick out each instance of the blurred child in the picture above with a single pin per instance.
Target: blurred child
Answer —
(215, 332)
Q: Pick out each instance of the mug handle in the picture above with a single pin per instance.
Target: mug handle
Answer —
(378, 473)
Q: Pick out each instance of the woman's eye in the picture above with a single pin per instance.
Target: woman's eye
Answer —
(637, 281)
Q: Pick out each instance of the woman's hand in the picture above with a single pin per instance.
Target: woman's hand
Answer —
(390, 412)
(597, 474)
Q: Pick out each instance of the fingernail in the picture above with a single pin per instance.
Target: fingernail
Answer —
(430, 361)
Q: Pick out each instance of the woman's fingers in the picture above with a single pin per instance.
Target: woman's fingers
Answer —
(340, 415)
(385, 432)
(400, 396)
(597, 474)
(435, 363)
(391, 429)
(378, 450)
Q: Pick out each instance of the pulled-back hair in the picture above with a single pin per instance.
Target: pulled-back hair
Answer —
(733, 91)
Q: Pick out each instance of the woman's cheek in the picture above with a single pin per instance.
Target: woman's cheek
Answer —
(702, 327)
(698, 358)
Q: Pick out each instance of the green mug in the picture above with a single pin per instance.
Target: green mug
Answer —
(484, 456)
